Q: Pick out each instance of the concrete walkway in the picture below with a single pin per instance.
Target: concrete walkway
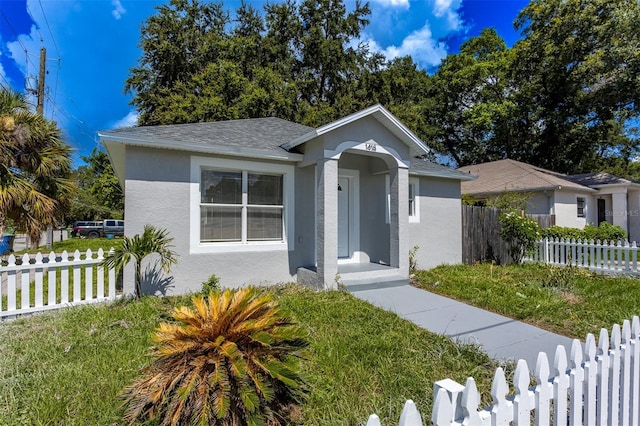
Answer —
(501, 337)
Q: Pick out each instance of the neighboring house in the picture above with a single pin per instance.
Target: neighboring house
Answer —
(266, 200)
(574, 200)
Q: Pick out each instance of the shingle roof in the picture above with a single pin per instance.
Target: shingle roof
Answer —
(510, 175)
(256, 133)
(422, 167)
(598, 178)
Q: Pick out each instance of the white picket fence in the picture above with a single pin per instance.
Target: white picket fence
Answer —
(53, 282)
(614, 256)
(598, 385)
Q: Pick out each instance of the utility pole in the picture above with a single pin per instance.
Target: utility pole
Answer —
(43, 58)
(40, 112)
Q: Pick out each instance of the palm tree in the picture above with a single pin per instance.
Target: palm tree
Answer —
(152, 240)
(35, 166)
(231, 360)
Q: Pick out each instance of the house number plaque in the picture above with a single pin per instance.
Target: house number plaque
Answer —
(370, 147)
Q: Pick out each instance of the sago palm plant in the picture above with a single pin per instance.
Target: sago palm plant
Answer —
(152, 240)
(231, 360)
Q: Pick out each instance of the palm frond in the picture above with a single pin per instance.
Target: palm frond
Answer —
(222, 362)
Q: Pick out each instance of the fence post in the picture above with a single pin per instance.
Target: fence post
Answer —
(545, 248)
(453, 391)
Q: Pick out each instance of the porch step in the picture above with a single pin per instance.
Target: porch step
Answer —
(362, 284)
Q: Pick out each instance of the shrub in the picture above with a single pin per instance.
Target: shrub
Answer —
(561, 232)
(605, 231)
(212, 284)
(519, 232)
(231, 360)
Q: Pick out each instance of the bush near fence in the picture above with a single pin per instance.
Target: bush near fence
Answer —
(604, 232)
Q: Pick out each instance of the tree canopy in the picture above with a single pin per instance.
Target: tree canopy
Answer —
(564, 97)
(99, 195)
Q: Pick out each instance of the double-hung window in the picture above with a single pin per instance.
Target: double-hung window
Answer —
(414, 199)
(581, 206)
(239, 206)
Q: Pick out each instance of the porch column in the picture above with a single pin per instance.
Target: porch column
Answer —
(398, 218)
(619, 209)
(634, 215)
(327, 222)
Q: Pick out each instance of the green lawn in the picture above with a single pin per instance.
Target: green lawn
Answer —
(568, 301)
(67, 367)
(73, 244)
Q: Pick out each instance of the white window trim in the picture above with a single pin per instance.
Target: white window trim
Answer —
(288, 191)
(584, 207)
(387, 211)
(415, 182)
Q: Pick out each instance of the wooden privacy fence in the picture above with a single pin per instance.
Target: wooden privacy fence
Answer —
(599, 384)
(481, 239)
(615, 256)
(43, 283)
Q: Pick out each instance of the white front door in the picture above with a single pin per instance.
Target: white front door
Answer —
(343, 218)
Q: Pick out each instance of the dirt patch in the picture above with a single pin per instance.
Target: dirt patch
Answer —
(571, 298)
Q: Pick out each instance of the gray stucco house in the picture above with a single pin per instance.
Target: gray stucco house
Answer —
(266, 200)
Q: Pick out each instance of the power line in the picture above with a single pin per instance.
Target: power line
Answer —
(12, 30)
(49, 28)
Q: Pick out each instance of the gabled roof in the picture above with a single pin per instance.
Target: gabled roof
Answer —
(600, 179)
(510, 175)
(384, 117)
(270, 138)
(261, 137)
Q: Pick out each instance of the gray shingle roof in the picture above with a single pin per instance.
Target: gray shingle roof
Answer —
(418, 166)
(256, 133)
(598, 178)
(262, 134)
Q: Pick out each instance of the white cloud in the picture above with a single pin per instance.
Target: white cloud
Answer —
(119, 9)
(393, 3)
(448, 9)
(129, 120)
(426, 51)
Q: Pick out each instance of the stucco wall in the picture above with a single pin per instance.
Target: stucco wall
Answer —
(539, 203)
(439, 233)
(362, 131)
(158, 193)
(565, 208)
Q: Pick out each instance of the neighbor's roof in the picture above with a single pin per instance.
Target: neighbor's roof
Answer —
(262, 135)
(510, 175)
(600, 179)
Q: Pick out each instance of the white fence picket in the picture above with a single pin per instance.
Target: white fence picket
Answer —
(604, 256)
(598, 385)
(29, 275)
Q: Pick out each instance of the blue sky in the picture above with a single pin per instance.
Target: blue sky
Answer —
(92, 44)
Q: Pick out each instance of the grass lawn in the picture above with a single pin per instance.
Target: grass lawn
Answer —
(67, 367)
(73, 244)
(568, 301)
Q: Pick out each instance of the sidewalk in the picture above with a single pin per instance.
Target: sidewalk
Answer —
(501, 337)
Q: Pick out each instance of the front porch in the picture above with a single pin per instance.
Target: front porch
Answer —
(357, 276)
